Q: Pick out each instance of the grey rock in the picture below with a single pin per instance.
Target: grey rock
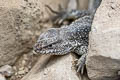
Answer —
(103, 60)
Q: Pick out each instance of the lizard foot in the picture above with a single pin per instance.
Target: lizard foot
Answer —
(81, 64)
(64, 15)
(71, 15)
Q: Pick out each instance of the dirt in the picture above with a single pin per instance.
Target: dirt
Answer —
(23, 65)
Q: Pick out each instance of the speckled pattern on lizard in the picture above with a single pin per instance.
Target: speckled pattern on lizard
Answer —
(69, 38)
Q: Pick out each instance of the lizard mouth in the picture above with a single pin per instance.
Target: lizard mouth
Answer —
(51, 49)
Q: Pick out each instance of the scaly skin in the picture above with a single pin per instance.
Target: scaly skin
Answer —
(69, 38)
(72, 38)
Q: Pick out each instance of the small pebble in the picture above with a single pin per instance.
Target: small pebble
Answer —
(22, 68)
(6, 70)
(25, 57)
(2, 77)
(21, 72)
(23, 62)
(26, 70)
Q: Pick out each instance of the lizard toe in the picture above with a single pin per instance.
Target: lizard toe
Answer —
(81, 64)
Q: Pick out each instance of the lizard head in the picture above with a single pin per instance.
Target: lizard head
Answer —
(53, 42)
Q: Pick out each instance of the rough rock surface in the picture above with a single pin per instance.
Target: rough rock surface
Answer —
(16, 34)
(54, 68)
(103, 61)
(21, 21)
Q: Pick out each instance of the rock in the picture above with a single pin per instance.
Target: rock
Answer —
(21, 72)
(6, 70)
(103, 60)
(2, 77)
(21, 22)
(19, 27)
(54, 68)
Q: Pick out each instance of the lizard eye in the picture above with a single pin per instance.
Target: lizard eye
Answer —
(51, 46)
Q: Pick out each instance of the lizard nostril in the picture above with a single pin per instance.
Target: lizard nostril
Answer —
(36, 47)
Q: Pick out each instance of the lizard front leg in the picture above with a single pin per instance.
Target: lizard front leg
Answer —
(81, 50)
(81, 63)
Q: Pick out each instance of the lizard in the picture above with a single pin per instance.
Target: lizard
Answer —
(69, 38)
